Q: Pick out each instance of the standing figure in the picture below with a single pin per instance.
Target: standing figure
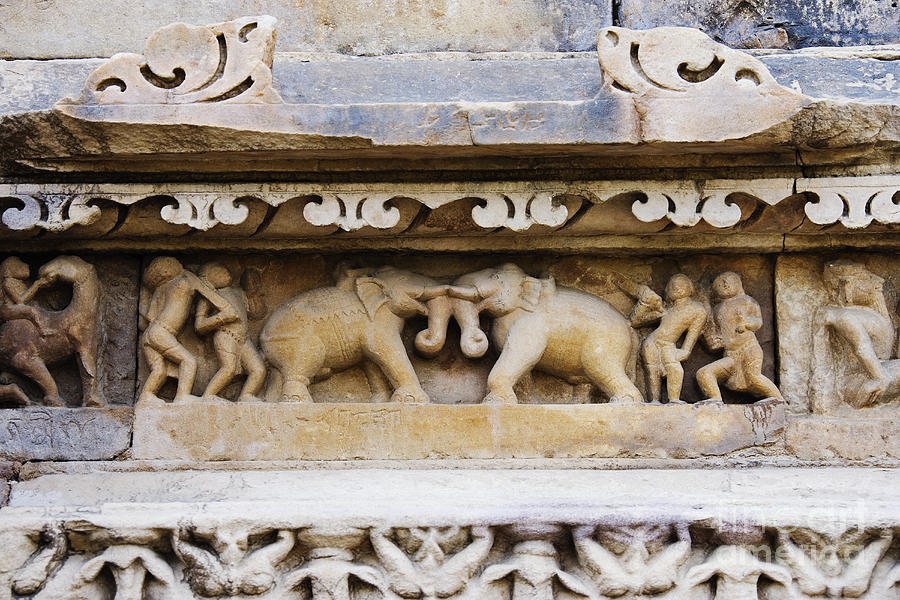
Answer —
(235, 352)
(13, 289)
(662, 356)
(737, 318)
(173, 289)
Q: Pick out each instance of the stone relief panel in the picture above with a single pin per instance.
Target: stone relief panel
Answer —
(304, 329)
(67, 330)
(838, 320)
(538, 561)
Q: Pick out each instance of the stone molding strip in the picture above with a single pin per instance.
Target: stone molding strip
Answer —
(506, 205)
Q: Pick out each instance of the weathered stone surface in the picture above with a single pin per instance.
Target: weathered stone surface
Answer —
(773, 23)
(41, 29)
(818, 437)
(42, 433)
(800, 291)
(278, 431)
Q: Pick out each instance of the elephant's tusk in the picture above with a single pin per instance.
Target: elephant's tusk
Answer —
(433, 292)
(464, 293)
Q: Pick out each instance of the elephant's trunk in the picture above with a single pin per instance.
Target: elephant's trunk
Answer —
(431, 341)
(472, 339)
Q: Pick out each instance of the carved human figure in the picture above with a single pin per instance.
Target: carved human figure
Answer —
(233, 568)
(358, 321)
(662, 356)
(561, 331)
(734, 567)
(853, 342)
(234, 350)
(835, 566)
(330, 563)
(53, 544)
(130, 566)
(535, 569)
(31, 338)
(173, 290)
(737, 319)
(13, 286)
(632, 560)
(422, 568)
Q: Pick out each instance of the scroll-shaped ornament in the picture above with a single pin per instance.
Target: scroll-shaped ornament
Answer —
(53, 212)
(204, 211)
(519, 210)
(687, 203)
(351, 211)
(184, 64)
(854, 202)
(691, 88)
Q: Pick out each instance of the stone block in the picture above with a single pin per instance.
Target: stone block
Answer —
(772, 23)
(42, 433)
(60, 29)
(822, 438)
(295, 431)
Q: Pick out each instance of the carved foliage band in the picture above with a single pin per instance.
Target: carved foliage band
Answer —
(854, 202)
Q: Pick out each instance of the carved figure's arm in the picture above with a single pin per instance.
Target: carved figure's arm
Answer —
(15, 290)
(693, 334)
(752, 320)
(459, 568)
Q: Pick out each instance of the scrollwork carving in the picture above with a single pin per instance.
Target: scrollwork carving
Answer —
(62, 212)
(519, 211)
(353, 211)
(534, 568)
(204, 212)
(182, 64)
(854, 202)
(130, 565)
(46, 560)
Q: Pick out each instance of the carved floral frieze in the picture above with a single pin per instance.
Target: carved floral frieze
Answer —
(854, 202)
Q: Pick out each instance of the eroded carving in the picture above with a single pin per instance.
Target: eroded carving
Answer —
(737, 318)
(234, 567)
(330, 563)
(53, 545)
(565, 332)
(357, 321)
(837, 566)
(130, 565)
(534, 569)
(632, 560)
(32, 338)
(853, 342)
(431, 562)
(182, 64)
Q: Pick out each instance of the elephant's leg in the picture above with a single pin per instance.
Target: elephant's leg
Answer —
(605, 364)
(34, 368)
(378, 383)
(387, 351)
(522, 350)
(255, 369)
(298, 362)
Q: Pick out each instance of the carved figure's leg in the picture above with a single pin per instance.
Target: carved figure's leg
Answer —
(187, 370)
(522, 350)
(228, 354)
(86, 356)
(708, 378)
(651, 362)
(255, 369)
(157, 375)
(853, 330)
(387, 351)
(34, 368)
(13, 393)
(674, 374)
(761, 385)
(378, 383)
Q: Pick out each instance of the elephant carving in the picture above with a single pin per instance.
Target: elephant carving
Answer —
(358, 321)
(536, 325)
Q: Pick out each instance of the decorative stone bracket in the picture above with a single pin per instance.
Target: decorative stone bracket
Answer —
(854, 202)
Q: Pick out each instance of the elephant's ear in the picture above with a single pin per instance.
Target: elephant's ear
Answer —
(531, 293)
(371, 293)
